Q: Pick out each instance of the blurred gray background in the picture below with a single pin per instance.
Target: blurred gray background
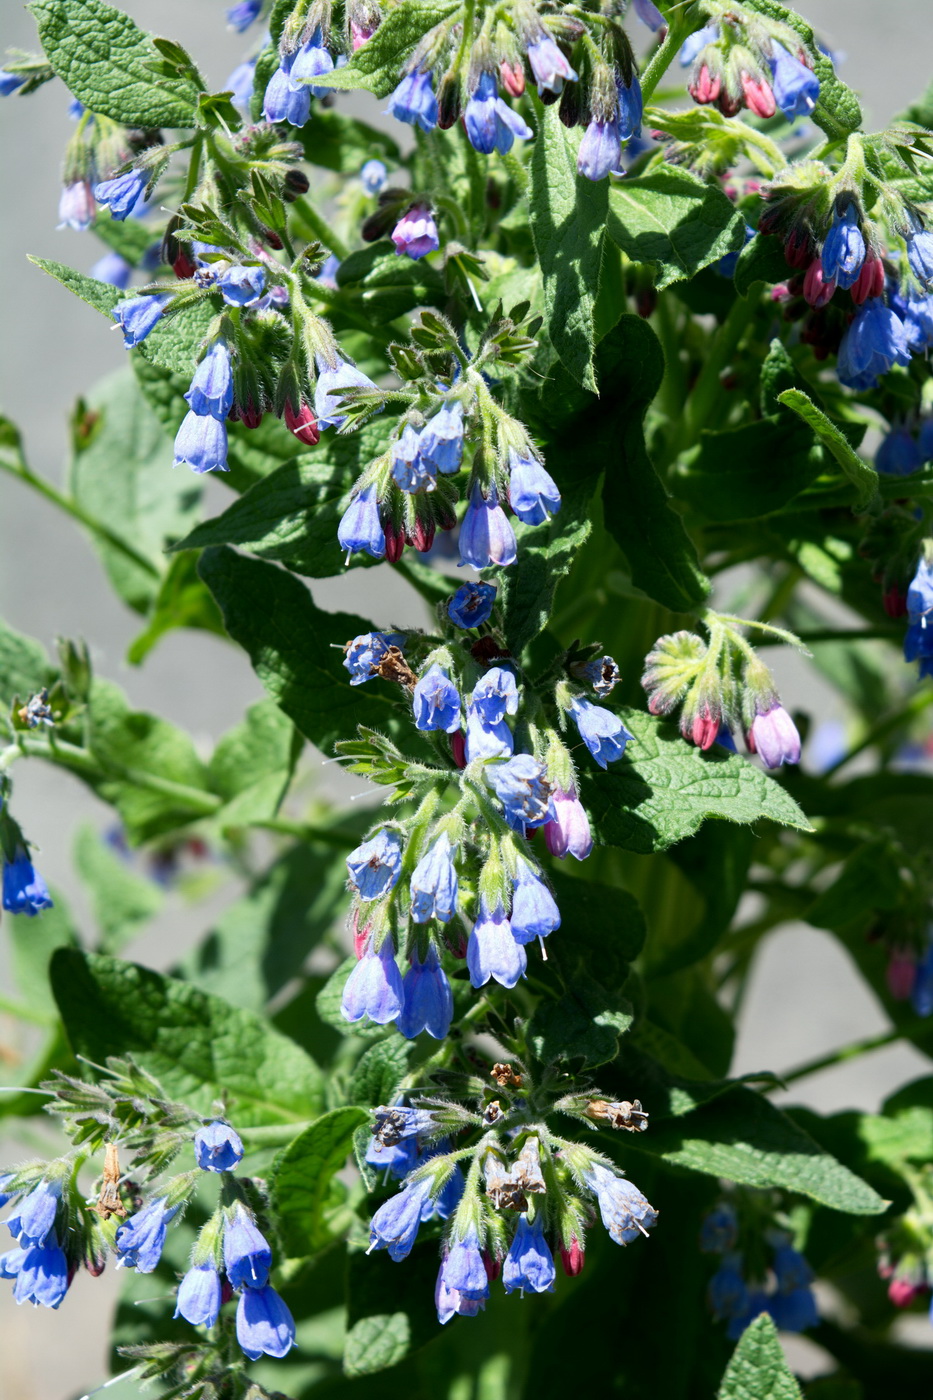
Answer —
(805, 999)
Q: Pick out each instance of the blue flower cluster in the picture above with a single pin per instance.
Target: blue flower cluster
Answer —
(760, 72)
(735, 1300)
(291, 87)
(918, 644)
(201, 441)
(38, 1265)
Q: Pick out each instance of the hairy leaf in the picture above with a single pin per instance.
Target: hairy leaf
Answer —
(863, 477)
(758, 1370)
(301, 1177)
(746, 472)
(675, 222)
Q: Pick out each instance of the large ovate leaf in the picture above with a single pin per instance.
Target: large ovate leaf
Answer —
(568, 217)
(663, 788)
(758, 1370)
(295, 648)
(379, 64)
(106, 60)
(745, 472)
(302, 1175)
(199, 1047)
(674, 222)
(387, 285)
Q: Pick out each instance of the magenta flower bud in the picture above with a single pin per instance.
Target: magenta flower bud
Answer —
(758, 96)
(773, 736)
(705, 87)
(704, 730)
(818, 289)
(415, 234)
(901, 974)
(569, 833)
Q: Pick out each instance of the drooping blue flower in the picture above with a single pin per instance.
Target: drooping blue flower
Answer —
(532, 493)
(873, 342)
(374, 866)
(602, 731)
(692, 46)
(241, 16)
(76, 206)
(240, 85)
(464, 1270)
(434, 886)
(201, 443)
(217, 1147)
(11, 1262)
(121, 193)
(413, 101)
(486, 740)
(794, 1311)
(486, 537)
(529, 1263)
(435, 701)
(141, 1238)
(374, 176)
(600, 149)
(727, 1291)
(113, 269)
(136, 317)
(366, 651)
(311, 60)
(24, 890)
(442, 438)
(490, 123)
(9, 82)
(522, 787)
(427, 997)
(211, 389)
(374, 988)
(450, 1301)
(898, 454)
(410, 471)
(415, 235)
(844, 248)
(360, 526)
(796, 87)
(247, 1255)
(199, 1296)
(328, 395)
(918, 646)
(34, 1218)
(398, 1160)
(648, 12)
(791, 1269)
(918, 323)
(550, 67)
(625, 1212)
(534, 910)
(394, 1227)
(284, 101)
(42, 1275)
(495, 695)
(472, 604)
(631, 107)
(493, 952)
(264, 1323)
(242, 286)
(920, 256)
(720, 1229)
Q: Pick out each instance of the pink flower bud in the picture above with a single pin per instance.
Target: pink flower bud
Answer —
(422, 536)
(572, 1258)
(895, 601)
(902, 1292)
(513, 78)
(817, 289)
(758, 96)
(798, 250)
(705, 86)
(870, 281)
(569, 832)
(773, 736)
(901, 974)
(704, 729)
(303, 424)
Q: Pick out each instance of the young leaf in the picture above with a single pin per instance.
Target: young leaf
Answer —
(106, 61)
(379, 64)
(301, 1178)
(729, 476)
(568, 217)
(388, 286)
(663, 788)
(674, 222)
(199, 1047)
(758, 1370)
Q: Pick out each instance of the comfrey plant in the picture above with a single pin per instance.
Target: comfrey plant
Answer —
(578, 339)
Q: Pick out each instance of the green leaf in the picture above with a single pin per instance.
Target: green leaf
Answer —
(120, 473)
(199, 1047)
(262, 941)
(758, 1370)
(294, 647)
(338, 142)
(863, 477)
(131, 238)
(105, 60)
(24, 666)
(837, 110)
(378, 65)
(869, 880)
(664, 788)
(741, 1136)
(733, 475)
(638, 511)
(573, 1027)
(380, 1071)
(182, 601)
(761, 260)
(674, 222)
(121, 899)
(292, 514)
(32, 943)
(568, 218)
(387, 285)
(301, 1177)
(385, 1323)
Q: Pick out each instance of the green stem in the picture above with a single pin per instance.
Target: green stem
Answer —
(194, 167)
(318, 228)
(841, 634)
(77, 512)
(80, 761)
(920, 702)
(680, 27)
(707, 389)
